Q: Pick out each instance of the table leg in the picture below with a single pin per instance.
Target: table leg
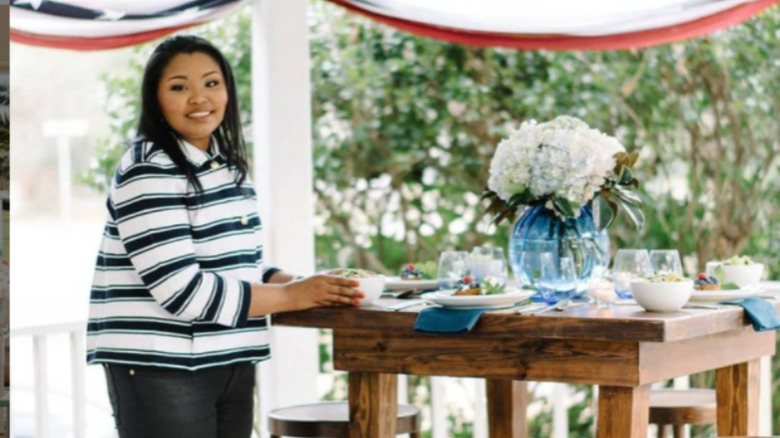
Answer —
(737, 388)
(507, 401)
(623, 412)
(373, 405)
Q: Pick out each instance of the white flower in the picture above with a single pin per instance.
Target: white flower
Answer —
(562, 158)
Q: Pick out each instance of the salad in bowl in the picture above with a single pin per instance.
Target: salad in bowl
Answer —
(666, 292)
(370, 283)
(740, 270)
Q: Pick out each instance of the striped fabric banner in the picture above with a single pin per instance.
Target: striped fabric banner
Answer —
(80, 25)
(552, 24)
(559, 24)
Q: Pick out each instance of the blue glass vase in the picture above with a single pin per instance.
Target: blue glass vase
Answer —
(537, 232)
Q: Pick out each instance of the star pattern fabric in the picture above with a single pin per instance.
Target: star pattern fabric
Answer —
(549, 25)
(78, 25)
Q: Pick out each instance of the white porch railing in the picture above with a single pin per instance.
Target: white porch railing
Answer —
(76, 334)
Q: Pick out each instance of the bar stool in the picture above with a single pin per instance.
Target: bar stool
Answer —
(680, 407)
(331, 420)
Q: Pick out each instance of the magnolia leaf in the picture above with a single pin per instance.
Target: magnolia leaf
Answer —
(621, 160)
(626, 176)
(606, 210)
(632, 158)
(507, 214)
(564, 207)
(628, 195)
(522, 198)
(489, 194)
(634, 212)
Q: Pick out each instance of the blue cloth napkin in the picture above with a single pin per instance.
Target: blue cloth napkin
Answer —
(760, 312)
(441, 320)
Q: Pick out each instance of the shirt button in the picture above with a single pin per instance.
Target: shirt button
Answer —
(244, 220)
(214, 164)
(132, 372)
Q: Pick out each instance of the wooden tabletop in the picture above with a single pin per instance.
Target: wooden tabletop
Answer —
(622, 322)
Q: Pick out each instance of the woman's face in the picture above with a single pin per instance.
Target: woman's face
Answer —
(193, 96)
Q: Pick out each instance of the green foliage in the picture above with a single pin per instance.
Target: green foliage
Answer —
(405, 127)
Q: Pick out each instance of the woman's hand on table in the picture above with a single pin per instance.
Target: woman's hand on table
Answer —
(324, 291)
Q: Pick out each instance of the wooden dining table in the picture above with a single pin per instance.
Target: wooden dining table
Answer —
(622, 349)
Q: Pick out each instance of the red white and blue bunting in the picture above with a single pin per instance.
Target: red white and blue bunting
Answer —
(107, 24)
(549, 24)
(560, 24)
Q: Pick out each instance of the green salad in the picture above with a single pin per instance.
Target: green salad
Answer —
(739, 260)
(667, 277)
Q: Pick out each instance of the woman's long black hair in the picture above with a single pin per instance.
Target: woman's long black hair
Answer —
(153, 127)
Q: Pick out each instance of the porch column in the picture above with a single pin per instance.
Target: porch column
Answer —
(283, 177)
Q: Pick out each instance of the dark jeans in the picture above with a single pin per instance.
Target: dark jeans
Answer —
(152, 402)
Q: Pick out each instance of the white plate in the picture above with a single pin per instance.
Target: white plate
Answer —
(397, 283)
(446, 298)
(770, 286)
(726, 295)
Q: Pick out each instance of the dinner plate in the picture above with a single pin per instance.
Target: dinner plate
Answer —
(397, 283)
(725, 295)
(446, 298)
(770, 286)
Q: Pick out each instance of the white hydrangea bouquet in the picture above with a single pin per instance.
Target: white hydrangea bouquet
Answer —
(565, 165)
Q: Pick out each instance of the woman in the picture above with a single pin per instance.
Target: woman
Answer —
(180, 294)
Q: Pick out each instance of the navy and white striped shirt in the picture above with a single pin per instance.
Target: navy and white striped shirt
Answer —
(173, 279)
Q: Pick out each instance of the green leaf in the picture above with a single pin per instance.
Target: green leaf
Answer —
(632, 158)
(635, 213)
(626, 176)
(628, 195)
(523, 198)
(564, 207)
(607, 210)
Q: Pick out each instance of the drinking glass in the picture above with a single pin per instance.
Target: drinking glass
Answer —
(665, 261)
(498, 267)
(630, 264)
(602, 291)
(546, 284)
(479, 262)
(452, 267)
(531, 267)
(566, 284)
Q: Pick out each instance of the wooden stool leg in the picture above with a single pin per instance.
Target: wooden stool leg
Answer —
(415, 435)
(662, 431)
(679, 430)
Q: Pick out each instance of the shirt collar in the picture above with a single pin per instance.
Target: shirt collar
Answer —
(198, 157)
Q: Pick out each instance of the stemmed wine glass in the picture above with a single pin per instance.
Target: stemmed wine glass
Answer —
(630, 264)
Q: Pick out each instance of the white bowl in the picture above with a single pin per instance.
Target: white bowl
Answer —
(662, 297)
(371, 287)
(743, 275)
